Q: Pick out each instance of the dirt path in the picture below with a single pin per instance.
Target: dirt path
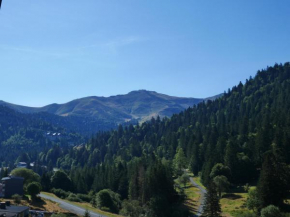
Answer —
(202, 196)
(70, 207)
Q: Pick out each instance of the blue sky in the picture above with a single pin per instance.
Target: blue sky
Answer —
(59, 50)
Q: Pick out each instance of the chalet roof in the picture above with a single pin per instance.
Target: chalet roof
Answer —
(11, 177)
(5, 214)
(14, 209)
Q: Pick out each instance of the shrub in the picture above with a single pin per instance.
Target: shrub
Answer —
(33, 189)
(28, 175)
(131, 208)
(60, 193)
(271, 211)
(85, 197)
(73, 197)
(16, 198)
(108, 199)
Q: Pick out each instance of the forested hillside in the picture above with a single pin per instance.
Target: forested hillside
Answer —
(243, 132)
(21, 133)
(89, 115)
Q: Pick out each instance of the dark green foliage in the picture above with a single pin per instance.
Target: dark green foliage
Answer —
(16, 198)
(179, 162)
(33, 189)
(61, 180)
(23, 136)
(85, 197)
(3, 172)
(45, 182)
(273, 185)
(253, 201)
(271, 211)
(220, 170)
(184, 178)
(108, 199)
(131, 208)
(60, 193)
(73, 197)
(222, 184)
(212, 206)
(28, 175)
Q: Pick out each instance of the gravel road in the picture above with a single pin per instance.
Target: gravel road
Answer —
(70, 207)
(202, 197)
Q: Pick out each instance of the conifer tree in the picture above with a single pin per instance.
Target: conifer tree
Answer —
(179, 161)
(273, 183)
(212, 206)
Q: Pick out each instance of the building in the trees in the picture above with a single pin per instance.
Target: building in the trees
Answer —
(22, 165)
(12, 185)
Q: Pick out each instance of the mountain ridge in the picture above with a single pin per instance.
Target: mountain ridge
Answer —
(138, 105)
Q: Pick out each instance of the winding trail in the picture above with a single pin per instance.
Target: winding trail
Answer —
(71, 207)
(80, 211)
(201, 199)
(202, 195)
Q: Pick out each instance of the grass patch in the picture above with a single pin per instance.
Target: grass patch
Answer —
(84, 205)
(43, 205)
(233, 204)
(197, 180)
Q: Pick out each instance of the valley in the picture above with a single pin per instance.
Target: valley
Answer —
(228, 145)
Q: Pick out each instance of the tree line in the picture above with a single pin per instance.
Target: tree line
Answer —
(240, 138)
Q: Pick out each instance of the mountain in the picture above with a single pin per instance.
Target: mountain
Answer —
(108, 112)
(243, 136)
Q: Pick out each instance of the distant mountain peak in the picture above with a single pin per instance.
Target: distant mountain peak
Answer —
(137, 105)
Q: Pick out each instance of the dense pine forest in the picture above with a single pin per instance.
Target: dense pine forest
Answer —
(242, 137)
(20, 133)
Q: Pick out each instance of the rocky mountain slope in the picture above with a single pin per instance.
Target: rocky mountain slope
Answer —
(135, 106)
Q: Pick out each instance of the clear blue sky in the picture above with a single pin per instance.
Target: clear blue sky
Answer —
(59, 50)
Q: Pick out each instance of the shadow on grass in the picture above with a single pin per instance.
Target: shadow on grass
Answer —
(191, 206)
(232, 196)
(38, 203)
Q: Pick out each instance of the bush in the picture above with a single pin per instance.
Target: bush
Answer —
(131, 208)
(33, 189)
(61, 180)
(16, 198)
(108, 199)
(85, 197)
(271, 211)
(28, 175)
(60, 193)
(73, 197)
(253, 202)
(24, 197)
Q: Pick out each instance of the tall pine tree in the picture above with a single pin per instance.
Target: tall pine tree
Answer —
(212, 206)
